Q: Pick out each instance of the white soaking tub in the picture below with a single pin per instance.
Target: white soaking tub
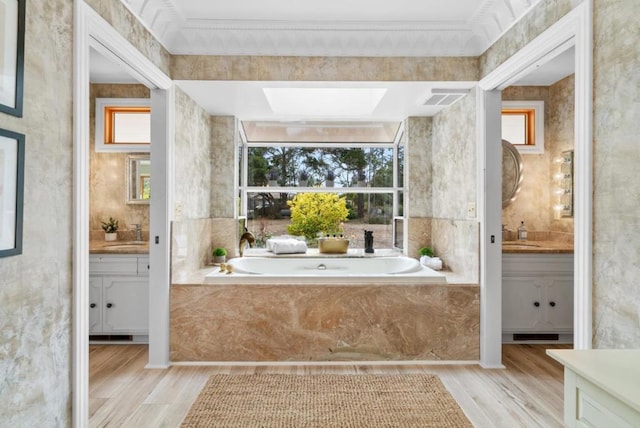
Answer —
(319, 270)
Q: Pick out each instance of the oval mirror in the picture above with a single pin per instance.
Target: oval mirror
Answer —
(511, 172)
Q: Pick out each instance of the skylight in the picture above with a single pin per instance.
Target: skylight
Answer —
(324, 102)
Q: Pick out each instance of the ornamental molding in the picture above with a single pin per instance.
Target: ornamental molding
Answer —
(469, 36)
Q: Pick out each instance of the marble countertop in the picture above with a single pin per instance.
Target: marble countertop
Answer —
(614, 370)
(544, 247)
(118, 247)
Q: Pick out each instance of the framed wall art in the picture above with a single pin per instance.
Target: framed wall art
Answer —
(11, 192)
(11, 56)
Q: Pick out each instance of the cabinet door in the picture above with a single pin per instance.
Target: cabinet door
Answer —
(125, 301)
(521, 304)
(95, 304)
(559, 303)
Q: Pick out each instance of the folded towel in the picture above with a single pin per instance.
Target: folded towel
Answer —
(286, 246)
(431, 262)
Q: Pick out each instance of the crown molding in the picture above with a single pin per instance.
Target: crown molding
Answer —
(468, 36)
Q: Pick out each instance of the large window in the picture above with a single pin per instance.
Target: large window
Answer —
(368, 175)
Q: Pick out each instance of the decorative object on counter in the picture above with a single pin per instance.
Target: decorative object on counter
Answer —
(368, 242)
(303, 179)
(229, 268)
(223, 267)
(286, 244)
(427, 258)
(522, 232)
(219, 255)
(333, 245)
(246, 238)
(110, 229)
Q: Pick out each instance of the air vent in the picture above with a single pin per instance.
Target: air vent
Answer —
(444, 97)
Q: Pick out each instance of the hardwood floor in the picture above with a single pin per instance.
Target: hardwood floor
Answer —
(528, 393)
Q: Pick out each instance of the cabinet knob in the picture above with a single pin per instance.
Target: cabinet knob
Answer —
(109, 305)
(552, 304)
(93, 305)
(536, 304)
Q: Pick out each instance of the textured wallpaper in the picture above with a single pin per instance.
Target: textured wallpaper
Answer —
(107, 171)
(616, 218)
(36, 287)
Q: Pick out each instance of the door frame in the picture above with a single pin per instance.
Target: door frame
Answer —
(92, 31)
(574, 29)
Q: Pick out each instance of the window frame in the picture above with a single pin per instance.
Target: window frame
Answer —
(534, 117)
(243, 190)
(104, 110)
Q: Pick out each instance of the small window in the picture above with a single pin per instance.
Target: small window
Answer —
(523, 125)
(123, 124)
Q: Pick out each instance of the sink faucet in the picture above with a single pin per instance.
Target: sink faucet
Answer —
(246, 238)
(138, 232)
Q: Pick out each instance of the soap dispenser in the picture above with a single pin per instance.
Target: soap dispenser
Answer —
(522, 232)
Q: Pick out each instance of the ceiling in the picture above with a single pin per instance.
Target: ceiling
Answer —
(464, 27)
(330, 27)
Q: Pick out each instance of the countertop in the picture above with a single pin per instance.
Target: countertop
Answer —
(617, 371)
(118, 247)
(539, 247)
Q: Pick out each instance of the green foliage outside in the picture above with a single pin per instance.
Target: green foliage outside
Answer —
(317, 212)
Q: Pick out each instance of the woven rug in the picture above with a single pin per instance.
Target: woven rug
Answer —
(272, 400)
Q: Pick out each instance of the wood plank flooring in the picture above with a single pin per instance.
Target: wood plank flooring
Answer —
(122, 393)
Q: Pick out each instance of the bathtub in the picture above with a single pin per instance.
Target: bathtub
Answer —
(320, 270)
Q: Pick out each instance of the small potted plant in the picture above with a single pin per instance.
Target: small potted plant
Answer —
(219, 255)
(110, 229)
(427, 258)
(426, 251)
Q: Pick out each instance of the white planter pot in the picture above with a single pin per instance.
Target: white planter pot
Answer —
(111, 236)
(219, 259)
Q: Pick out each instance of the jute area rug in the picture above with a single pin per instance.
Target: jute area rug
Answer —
(273, 400)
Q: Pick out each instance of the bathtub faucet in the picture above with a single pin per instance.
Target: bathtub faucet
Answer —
(246, 238)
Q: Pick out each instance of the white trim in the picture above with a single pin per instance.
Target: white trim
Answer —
(489, 161)
(89, 29)
(583, 176)
(80, 266)
(100, 144)
(538, 107)
(574, 29)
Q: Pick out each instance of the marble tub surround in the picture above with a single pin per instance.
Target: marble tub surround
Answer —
(457, 243)
(193, 240)
(324, 323)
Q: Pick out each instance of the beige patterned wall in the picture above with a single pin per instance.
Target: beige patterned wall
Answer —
(535, 201)
(120, 18)
(192, 159)
(197, 67)
(223, 167)
(418, 167)
(616, 218)
(108, 171)
(36, 286)
(545, 14)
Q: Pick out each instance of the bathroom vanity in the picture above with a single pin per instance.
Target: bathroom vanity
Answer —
(119, 294)
(537, 292)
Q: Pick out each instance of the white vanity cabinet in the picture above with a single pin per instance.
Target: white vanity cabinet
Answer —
(537, 297)
(119, 294)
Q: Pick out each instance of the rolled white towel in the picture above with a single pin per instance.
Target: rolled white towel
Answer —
(431, 262)
(286, 246)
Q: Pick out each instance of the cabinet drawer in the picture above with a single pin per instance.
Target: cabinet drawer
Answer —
(123, 265)
(143, 266)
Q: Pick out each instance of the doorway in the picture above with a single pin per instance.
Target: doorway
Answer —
(575, 29)
(92, 32)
